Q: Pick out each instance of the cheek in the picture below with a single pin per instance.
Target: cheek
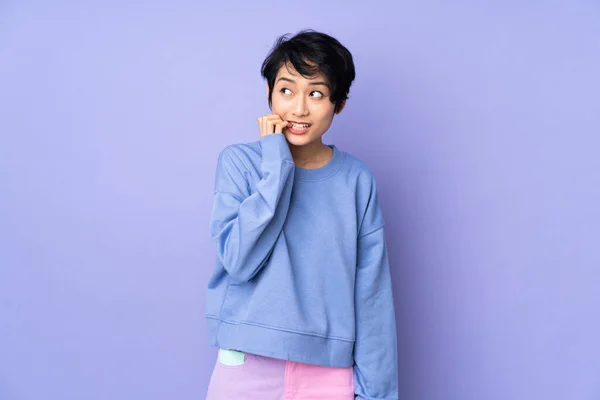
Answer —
(278, 105)
(325, 112)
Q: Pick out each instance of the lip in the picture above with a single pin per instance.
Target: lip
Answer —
(298, 132)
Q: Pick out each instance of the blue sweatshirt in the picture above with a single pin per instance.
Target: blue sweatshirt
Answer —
(302, 268)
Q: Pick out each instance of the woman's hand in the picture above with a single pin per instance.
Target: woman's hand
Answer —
(271, 123)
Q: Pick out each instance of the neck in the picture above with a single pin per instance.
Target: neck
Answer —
(312, 155)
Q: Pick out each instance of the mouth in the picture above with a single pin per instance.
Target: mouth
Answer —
(298, 128)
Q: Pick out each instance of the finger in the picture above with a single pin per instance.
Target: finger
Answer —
(267, 128)
(270, 126)
(280, 126)
(264, 129)
(266, 123)
(273, 124)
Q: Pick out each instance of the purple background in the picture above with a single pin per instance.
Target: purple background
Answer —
(481, 121)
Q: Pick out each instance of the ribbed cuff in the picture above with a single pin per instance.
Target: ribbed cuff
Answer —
(275, 148)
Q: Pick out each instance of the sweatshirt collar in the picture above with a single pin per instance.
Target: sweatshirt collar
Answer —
(324, 172)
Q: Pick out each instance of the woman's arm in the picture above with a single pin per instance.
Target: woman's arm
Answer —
(375, 354)
(244, 228)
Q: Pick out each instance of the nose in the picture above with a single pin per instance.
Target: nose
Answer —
(300, 108)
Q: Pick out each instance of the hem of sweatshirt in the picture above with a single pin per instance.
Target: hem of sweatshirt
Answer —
(283, 345)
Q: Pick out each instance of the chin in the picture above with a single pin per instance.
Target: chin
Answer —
(299, 140)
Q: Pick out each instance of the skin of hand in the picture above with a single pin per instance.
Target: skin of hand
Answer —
(270, 124)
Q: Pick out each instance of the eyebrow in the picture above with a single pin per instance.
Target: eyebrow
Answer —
(318, 83)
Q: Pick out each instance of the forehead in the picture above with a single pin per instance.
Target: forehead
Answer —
(288, 71)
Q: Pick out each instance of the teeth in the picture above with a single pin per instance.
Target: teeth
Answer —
(299, 126)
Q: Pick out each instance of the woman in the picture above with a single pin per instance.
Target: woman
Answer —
(300, 302)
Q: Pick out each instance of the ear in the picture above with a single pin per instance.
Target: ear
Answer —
(341, 107)
(267, 94)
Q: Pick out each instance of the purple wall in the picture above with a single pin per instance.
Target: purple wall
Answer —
(481, 123)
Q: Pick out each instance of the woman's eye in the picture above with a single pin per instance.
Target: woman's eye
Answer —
(286, 91)
(316, 93)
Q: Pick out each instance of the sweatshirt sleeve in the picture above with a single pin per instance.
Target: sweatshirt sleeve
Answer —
(375, 349)
(244, 228)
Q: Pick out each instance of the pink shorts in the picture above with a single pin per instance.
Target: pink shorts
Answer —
(264, 378)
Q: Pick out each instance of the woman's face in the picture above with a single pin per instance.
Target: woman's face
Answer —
(305, 103)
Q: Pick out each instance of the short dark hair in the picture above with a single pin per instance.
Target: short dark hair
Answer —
(311, 52)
